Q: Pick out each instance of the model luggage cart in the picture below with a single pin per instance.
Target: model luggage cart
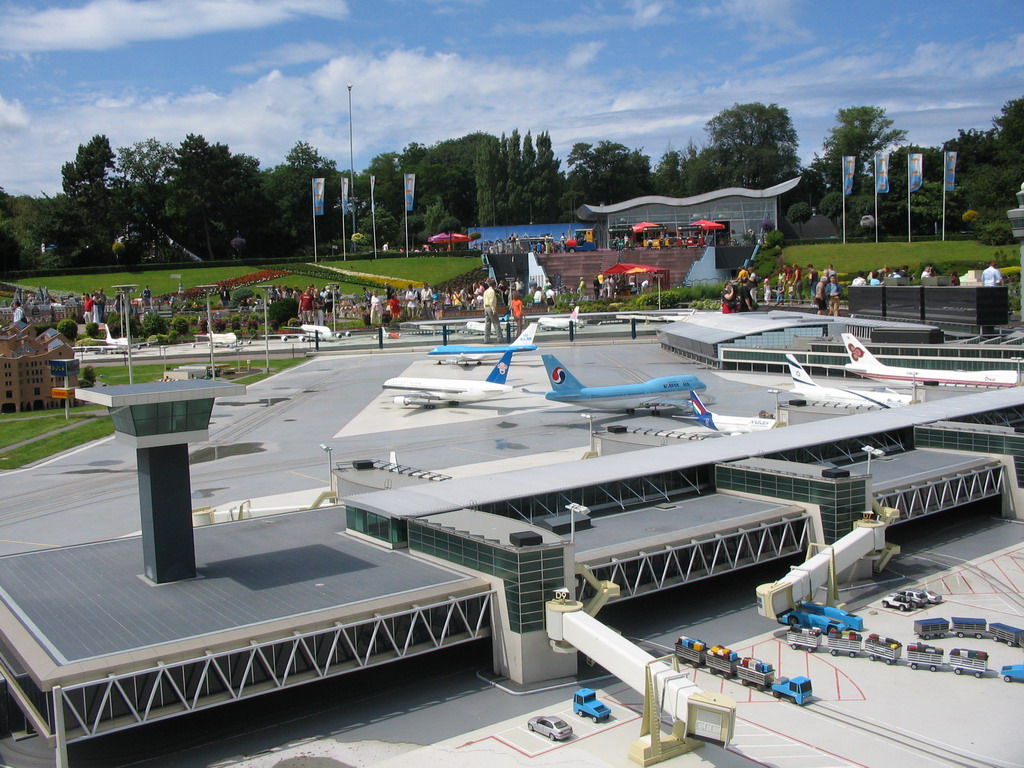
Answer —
(722, 661)
(691, 650)
(1004, 633)
(926, 629)
(963, 627)
(921, 655)
(802, 637)
(884, 648)
(848, 642)
(755, 672)
(964, 659)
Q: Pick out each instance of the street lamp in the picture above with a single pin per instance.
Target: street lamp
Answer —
(208, 289)
(1018, 361)
(573, 510)
(126, 321)
(1016, 217)
(871, 451)
(330, 467)
(266, 324)
(776, 392)
(590, 421)
(351, 162)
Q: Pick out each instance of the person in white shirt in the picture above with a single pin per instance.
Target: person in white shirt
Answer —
(19, 313)
(859, 280)
(991, 277)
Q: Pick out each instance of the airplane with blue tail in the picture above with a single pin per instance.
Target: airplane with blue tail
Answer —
(470, 354)
(663, 392)
(417, 391)
(733, 425)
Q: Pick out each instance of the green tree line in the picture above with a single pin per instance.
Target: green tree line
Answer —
(163, 202)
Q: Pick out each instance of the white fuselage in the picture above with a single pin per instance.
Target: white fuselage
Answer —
(851, 396)
(420, 391)
(922, 376)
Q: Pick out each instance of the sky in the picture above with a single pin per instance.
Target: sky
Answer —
(262, 75)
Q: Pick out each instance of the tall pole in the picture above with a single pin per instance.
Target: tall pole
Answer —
(351, 160)
(124, 293)
(266, 325)
(314, 229)
(209, 326)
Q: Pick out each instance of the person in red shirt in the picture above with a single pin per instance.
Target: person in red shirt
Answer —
(394, 308)
(307, 305)
(517, 312)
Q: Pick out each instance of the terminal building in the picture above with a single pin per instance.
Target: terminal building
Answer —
(88, 646)
(27, 383)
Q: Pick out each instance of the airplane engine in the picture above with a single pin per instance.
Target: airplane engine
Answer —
(412, 401)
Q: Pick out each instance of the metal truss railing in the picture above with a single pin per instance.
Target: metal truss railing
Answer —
(944, 493)
(703, 558)
(127, 700)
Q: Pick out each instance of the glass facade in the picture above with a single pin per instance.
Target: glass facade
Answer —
(841, 500)
(390, 530)
(162, 418)
(741, 214)
(974, 441)
(531, 574)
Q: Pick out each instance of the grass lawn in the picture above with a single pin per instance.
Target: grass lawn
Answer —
(411, 270)
(854, 257)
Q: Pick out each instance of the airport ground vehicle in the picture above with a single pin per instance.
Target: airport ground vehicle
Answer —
(965, 659)
(926, 629)
(922, 655)
(822, 617)
(880, 648)
(756, 673)
(586, 704)
(964, 626)
(901, 600)
(923, 596)
(801, 637)
(722, 661)
(1004, 633)
(796, 689)
(555, 728)
(582, 240)
(1013, 673)
(848, 642)
(691, 650)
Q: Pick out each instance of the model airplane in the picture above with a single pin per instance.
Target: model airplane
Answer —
(866, 364)
(467, 354)
(561, 323)
(664, 392)
(805, 386)
(110, 341)
(431, 392)
(731, 424)
(219, 339)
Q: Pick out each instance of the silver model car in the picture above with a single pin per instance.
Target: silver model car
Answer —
(923, 596)
(555, 728)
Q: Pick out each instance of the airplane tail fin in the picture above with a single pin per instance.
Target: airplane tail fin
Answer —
(800, 376)
(526, 337)
(561, 379)
(110, 337)
(858, 353)
(500, 372)
(704, 416)
(575, 314)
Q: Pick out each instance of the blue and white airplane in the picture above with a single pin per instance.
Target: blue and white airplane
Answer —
(418, 391)
(731, 424)
(467, 354)
(805, 386)
(663, 392)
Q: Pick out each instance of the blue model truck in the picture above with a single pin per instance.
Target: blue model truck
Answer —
(796, 689)
(586, 704)
(823, 617)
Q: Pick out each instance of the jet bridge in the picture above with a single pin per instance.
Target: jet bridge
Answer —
(697, 716)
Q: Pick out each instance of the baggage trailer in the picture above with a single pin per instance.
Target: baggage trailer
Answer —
(921, 655)
(926, 629)
(883, 648)
(802, 637)
(964, 626)
(1004, 633)
(691, 650)
(722, 661)
(964, 659)
(848, 642)
(756, 673)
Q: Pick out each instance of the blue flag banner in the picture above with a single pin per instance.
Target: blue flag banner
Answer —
(881, 173)
(915, 166)
(344, 196)
(318, 197)
(849, 166)
(949, 171)
(410, 190)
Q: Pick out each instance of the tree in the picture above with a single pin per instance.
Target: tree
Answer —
(92, 224)
(754, 146)
(799, 214)
(607, 173)
(668, 174)
(860, 132)
(141, 183)
(290, 187)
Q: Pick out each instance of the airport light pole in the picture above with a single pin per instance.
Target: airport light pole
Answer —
(351, 162)
(330, 467)
(266, 324)
(776, 392)
(872, 451)
(124, 293)
(575, 509)
(1016, 217)
(1018, 361)
(590, 422)
(208, 289)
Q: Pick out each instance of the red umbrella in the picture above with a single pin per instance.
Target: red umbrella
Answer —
(638, 228)
(449, 237)
(705, 224)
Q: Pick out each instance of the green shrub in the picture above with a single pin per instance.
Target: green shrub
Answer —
(68, 328)
(774, 239)
(87, 378)
(153, 324)
(241, 295)
(181, 325)
(92, 330)
(995, 233)
(282, 311)
(706, 304)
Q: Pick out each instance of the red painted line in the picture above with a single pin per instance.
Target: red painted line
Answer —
(805, 743)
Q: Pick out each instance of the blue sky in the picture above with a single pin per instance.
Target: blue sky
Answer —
(260, 75)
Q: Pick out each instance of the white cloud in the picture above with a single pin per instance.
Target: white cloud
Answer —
(13, 118)
(582, 54)
(287, 56)
(105, 24)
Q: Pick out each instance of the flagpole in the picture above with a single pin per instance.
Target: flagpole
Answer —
(944, 194)
(314, 222)
(344, 245)
(373, 215)
(407, 231)
(908, 195)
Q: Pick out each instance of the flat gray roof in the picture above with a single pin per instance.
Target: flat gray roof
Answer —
(158, 392)
(88, 601)
(494, 527)
(472, 492)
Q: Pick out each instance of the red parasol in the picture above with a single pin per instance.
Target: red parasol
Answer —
(638, 228)
(705, 224)
(449, 237)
